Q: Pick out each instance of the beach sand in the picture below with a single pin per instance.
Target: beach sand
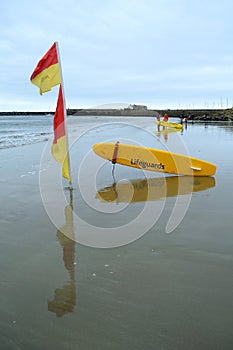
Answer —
(160, 292)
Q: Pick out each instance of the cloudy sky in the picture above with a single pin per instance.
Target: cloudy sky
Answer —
(161, 53)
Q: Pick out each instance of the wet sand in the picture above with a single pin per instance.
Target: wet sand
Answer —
(159, 292)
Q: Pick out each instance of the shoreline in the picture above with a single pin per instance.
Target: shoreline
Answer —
(192, 114)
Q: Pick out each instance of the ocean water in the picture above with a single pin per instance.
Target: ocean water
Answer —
(23, 130)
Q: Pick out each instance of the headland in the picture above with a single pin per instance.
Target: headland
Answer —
(191, 114)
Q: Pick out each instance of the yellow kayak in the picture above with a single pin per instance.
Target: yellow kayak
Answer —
(170, 125)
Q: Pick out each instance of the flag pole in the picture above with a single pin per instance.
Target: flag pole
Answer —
(65, 113)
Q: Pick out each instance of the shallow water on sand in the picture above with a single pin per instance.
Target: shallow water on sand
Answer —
(161, 291)
(18, 130)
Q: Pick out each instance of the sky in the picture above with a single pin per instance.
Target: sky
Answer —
(159, 53)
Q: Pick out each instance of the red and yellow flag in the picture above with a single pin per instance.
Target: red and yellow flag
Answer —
(47, 72)
(59, 147)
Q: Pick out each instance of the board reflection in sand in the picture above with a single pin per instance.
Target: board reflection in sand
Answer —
(153, 189)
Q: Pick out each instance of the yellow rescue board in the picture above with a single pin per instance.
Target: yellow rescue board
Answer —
(153, 189)
(170, 125)
(153, 159)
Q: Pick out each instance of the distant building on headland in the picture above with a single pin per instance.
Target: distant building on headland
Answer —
(126, 110)
(136, 108)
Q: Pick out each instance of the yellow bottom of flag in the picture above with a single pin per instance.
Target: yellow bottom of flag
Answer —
(59, 152)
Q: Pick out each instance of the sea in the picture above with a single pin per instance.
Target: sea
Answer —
(150, 259)
(18, 130)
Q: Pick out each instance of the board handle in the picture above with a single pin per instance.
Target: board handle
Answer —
(115, 151)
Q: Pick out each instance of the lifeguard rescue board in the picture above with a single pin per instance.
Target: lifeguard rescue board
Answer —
(153, 159)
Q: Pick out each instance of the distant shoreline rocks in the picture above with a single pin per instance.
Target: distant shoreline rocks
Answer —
(191, 114)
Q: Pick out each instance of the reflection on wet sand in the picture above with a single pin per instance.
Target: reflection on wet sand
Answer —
(154, 188)
(65, 297)
(162, 131)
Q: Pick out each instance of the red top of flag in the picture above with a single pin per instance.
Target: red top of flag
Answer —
(50, 58)
(59, 118)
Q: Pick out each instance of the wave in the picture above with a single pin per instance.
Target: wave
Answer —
(9, 141)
